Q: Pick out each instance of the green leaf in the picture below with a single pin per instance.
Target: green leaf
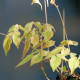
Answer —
(38, 25)
(48, 27)
(28, 26)
(62, 56)
(48, 35)
(39, 44)
(55, 62)
(27, 58)
(26, 34)
(6, 44)
(36, 59)
(16, 38)
(35, 40)
(44, 53)
(14, 28)
(73, 63)
(54, 52)
(64, 53)
(20, 27)
(48, 44)
(26, 47)
(69, 42)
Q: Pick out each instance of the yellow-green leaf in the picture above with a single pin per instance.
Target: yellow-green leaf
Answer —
(36, 59)
(39, 44)
(20, 27)
(28, 26)
(35, 40)
(27, 58)
(73, 63)
(69, 42)
(26, 48)
(48, 35)
(44, 53)
(16, 39)
(38, 2)
(48, 27)
(55, 62)
(48, 44)
(38, 25)
(6, 44)
(14, 28)
(26, 34)
(54, 52)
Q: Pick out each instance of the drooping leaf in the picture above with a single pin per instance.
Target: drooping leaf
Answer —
(48, 44)
(38, 2)
(55, 62)
(6, 44)
(69, 42)
(27, 58)
(28, 26)
(26, 34)
(35, 40)
(20, 27)
(16, 38)
(36, 59)
(48, 27)
(38, 25)
(14, 28)
(48, 35)
(26, 47)
(73, 63)
(54, 52)
(41, 42)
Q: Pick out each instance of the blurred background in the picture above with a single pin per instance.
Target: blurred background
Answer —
(20, 12)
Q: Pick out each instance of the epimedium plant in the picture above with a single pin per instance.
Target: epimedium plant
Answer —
(38, 37)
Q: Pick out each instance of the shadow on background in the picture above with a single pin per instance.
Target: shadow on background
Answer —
(20, 12)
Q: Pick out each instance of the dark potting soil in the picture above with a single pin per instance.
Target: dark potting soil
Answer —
(68, 78)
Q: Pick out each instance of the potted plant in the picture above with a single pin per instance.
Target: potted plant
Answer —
(38, 37)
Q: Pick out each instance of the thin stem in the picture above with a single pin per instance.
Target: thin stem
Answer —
(45, 10)
(67, 66)
(2, 34)
(64, 24)
(60, 74)
(44, 71)
(61, 20)
(42, 65)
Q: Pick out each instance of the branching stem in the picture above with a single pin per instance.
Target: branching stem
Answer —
(60, 74)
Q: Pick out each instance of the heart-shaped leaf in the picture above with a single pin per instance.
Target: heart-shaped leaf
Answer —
(55, 62)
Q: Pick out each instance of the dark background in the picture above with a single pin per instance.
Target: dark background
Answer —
(20, 12)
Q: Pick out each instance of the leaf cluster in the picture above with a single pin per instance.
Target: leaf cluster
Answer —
(38, 37)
